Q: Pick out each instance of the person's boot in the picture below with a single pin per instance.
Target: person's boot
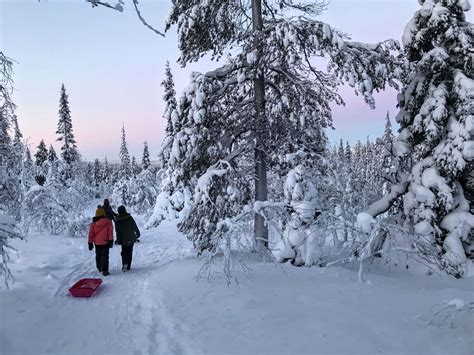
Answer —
(125, 267)
(106, 273)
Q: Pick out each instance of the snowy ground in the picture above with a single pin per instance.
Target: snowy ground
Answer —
(160, 308)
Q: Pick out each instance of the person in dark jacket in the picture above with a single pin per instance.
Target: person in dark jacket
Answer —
(127, 234)
(101, 236)
(109, 212)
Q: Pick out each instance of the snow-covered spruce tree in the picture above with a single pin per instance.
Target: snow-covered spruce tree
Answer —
(170, 115)
(144, 188)
(436, 127)
(106, 172)
(52, 156)
(269, 97)
(143, 191)
(41, 156)
(18, 151)
(27, 173)
(121, 193)
(81, 184)
(341, 153)
(69, 152)
(175, 193)
(146, 164)
(348, 154)
(125, 169)
(97, 177)
(135, 168)
(17, 145)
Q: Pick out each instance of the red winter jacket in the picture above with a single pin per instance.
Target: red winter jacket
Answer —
(101, 231)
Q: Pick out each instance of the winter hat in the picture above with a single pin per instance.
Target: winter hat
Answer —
(121, 210)
(99, 212)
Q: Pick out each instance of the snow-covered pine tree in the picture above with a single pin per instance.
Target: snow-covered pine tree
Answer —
(146, 164)
(69, 152)
(267, 95)
(52, 156)
(436, 127)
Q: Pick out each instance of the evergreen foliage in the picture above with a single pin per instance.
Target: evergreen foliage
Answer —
(146, 164)
(52, 156)
(69, 152)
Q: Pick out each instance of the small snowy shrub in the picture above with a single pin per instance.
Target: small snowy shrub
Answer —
(78, 227)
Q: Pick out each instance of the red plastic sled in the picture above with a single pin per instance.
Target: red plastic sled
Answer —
(85, 287)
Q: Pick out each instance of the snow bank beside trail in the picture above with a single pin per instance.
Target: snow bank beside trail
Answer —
(280, 309)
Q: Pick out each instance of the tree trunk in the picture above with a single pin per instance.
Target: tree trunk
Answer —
(467, 183)
(260, 228)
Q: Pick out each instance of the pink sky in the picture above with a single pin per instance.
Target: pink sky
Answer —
(112, 67)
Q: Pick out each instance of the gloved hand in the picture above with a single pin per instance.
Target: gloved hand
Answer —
(111, 243)
(91, 246)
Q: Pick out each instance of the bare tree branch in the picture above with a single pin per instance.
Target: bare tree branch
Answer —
(118, 7)
(137, 10)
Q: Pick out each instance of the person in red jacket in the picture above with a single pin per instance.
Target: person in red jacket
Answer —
(101, 235)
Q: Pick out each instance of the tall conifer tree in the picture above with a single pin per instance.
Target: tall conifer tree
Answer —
(69, 152)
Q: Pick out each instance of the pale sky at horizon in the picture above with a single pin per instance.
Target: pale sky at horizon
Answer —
(112, 67)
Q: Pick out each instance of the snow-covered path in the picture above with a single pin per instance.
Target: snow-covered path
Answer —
(127, 316)
(159, 308)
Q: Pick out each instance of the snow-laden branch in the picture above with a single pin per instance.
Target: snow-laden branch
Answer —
(118, 6)
(8, 230)
(384, 204)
